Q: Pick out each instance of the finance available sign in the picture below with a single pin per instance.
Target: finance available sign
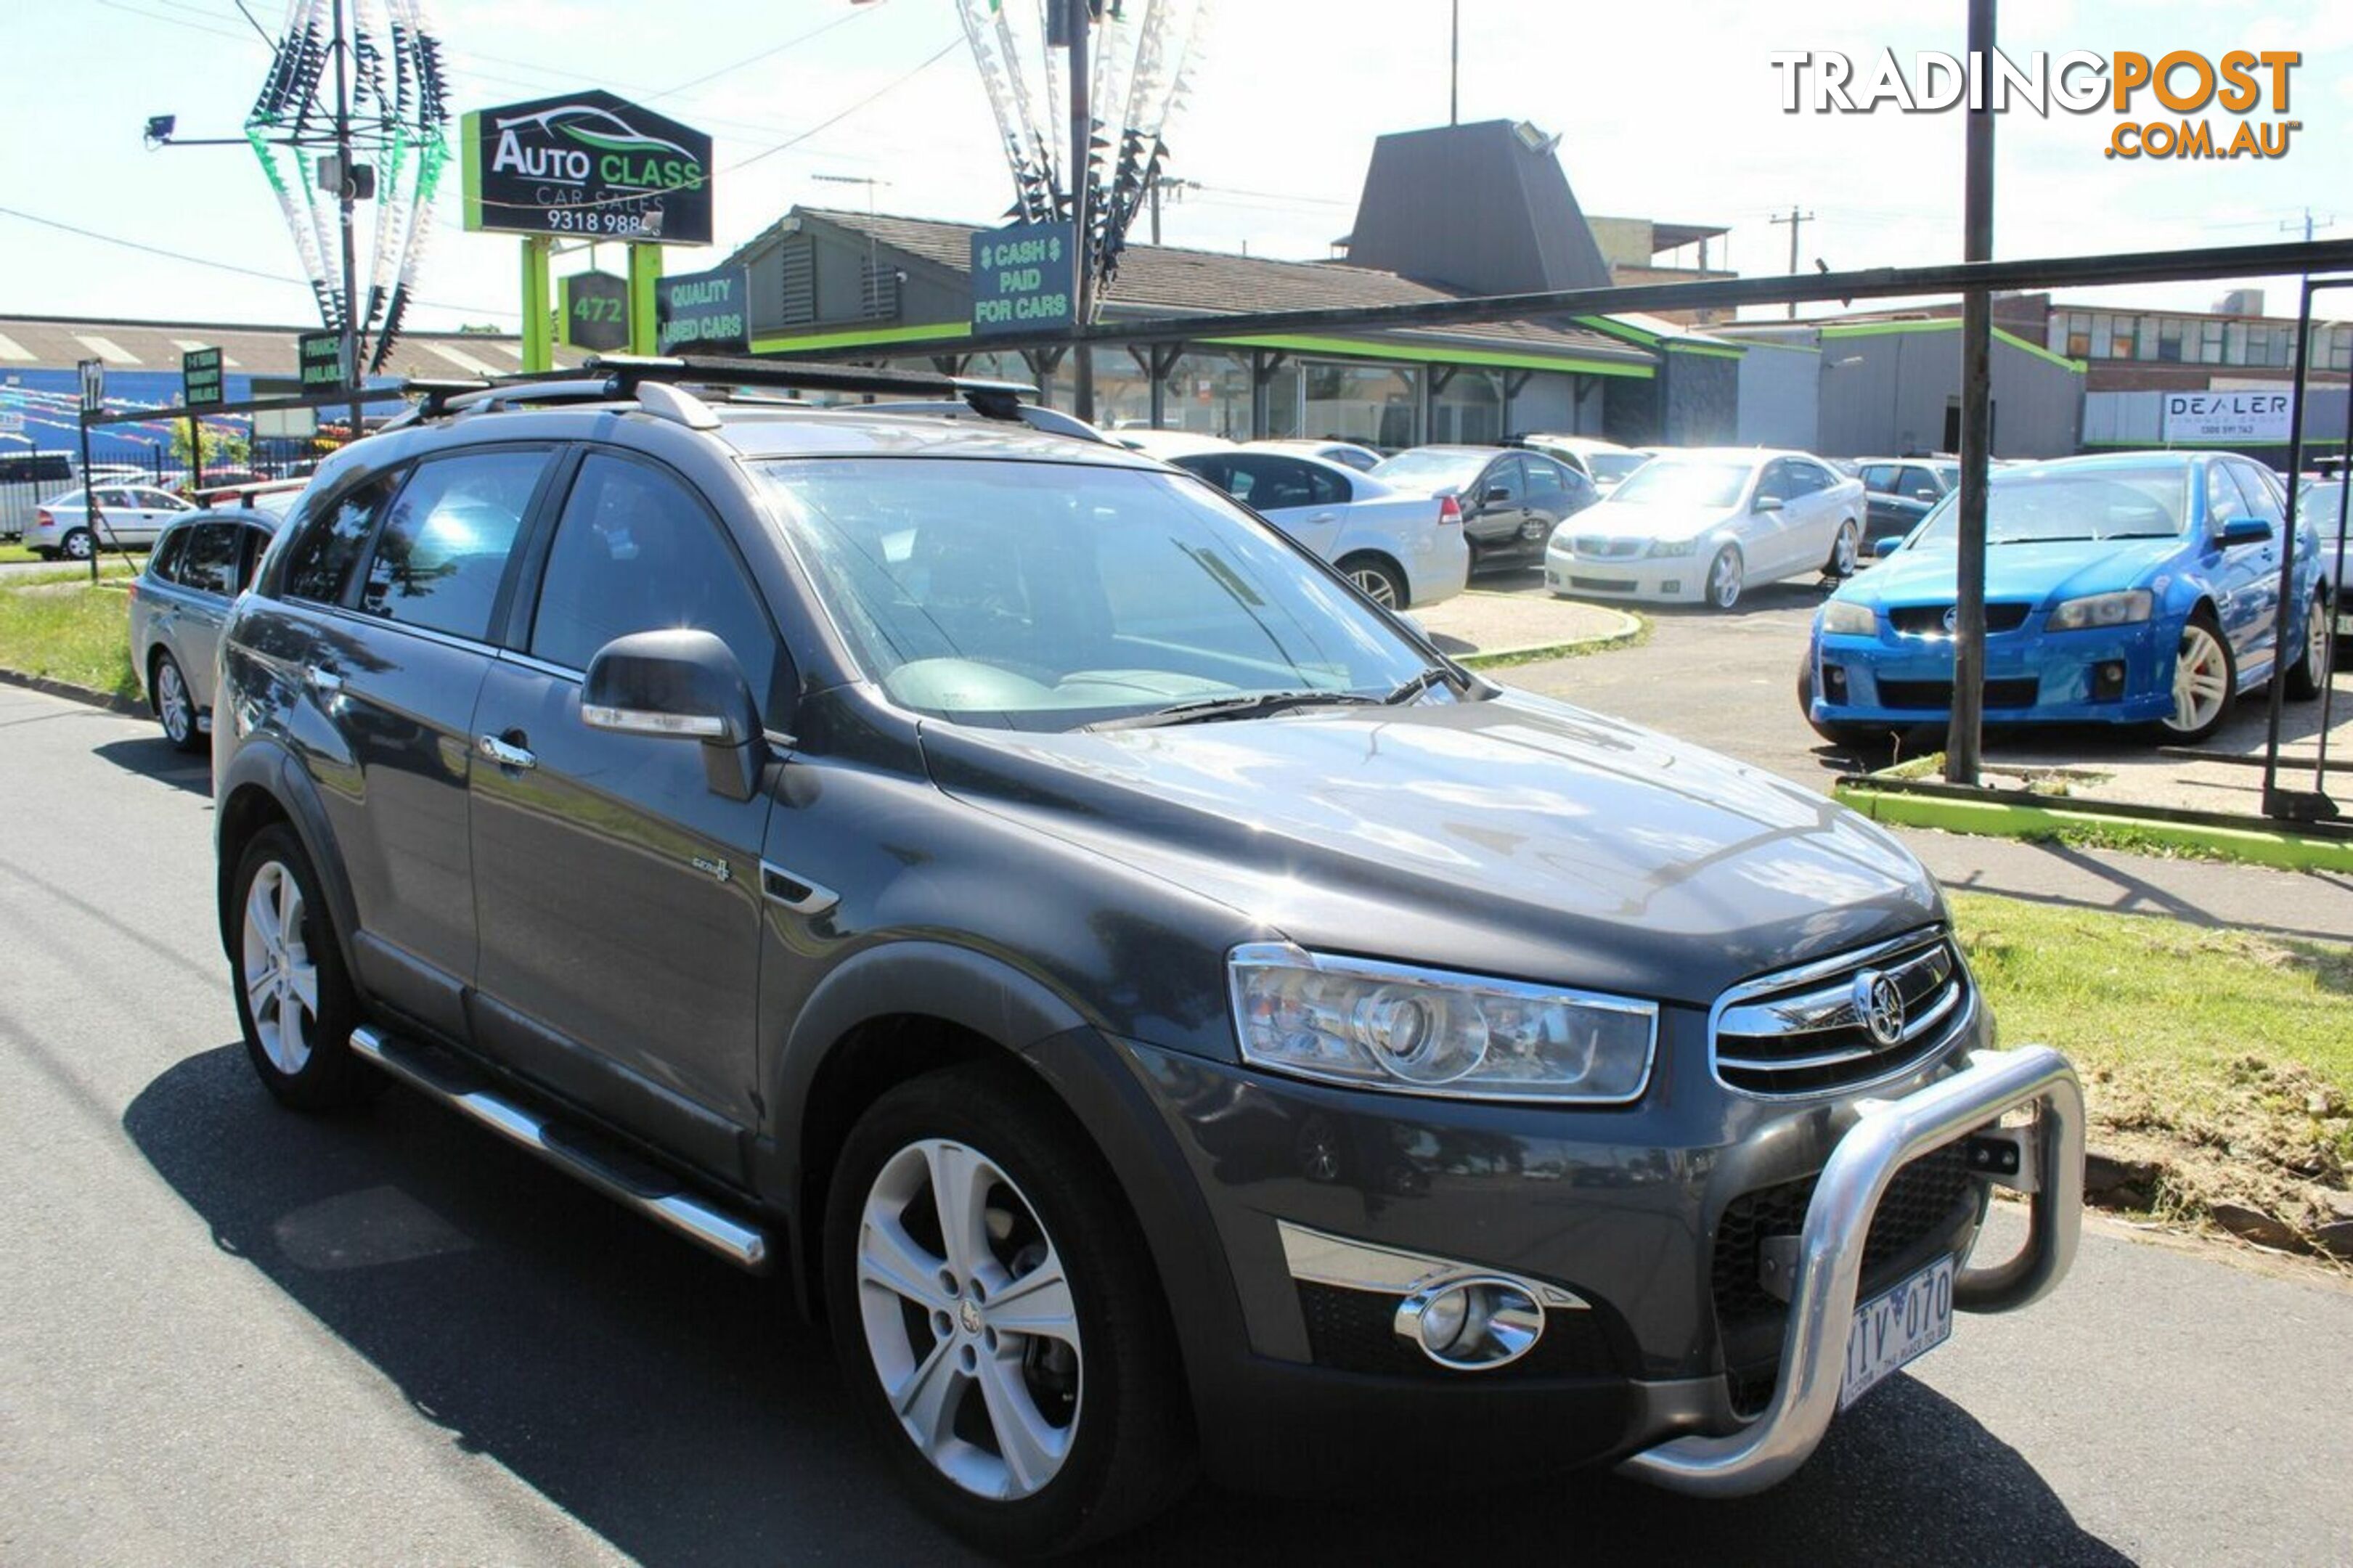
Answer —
(1024, 278)
(586, 164)
(703, 312)
(2254, 418)
(322, 358)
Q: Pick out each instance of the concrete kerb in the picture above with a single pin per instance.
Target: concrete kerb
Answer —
(1609, 627)
(72, 693)
(2257, 843)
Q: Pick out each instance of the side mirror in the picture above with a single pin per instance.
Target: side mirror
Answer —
(1495, 495)
(1766, 503)
(2243, 531)
(680, 685)
(1887, 545)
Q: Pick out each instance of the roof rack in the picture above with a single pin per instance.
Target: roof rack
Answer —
(628, 371)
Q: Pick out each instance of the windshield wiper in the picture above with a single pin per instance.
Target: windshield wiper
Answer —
(1409, 689)
(1254, 705)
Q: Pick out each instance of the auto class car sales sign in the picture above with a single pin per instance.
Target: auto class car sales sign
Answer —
(586, 164)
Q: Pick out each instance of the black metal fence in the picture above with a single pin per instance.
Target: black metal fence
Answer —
(27, 479)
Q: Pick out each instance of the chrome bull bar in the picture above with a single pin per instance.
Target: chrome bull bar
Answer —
(1888, 1135)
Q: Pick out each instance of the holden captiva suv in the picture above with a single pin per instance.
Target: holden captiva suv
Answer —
(1155, 1008)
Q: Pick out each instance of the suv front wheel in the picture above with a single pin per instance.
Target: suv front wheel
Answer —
(997, 1318)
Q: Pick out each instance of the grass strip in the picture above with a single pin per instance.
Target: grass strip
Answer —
(70, 632)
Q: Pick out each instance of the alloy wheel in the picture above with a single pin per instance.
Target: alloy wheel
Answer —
(1843, 554)
(969, 1319)
(2201, 679)
(172, 704)
(1723, 579)
(281, 980)
(2319, 641)
(1375, 586)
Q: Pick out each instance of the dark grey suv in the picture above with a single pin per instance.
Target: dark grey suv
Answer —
(1159, 1011)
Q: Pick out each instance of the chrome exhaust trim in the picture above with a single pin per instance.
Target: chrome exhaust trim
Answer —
(1829, 1266)
(708, 1226)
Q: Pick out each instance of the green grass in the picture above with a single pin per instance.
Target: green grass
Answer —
(1512, 657)
(80, 635)
(12, 554)
(2224, 1055)
(2122, 836)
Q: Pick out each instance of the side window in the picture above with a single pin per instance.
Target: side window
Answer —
(115, 497)
(1917, 483)
(635, 551)
(443, 548)
(209, 564)
(1328, 489)
(2260, 502)
(1219, 472)
(157, 500)
(2223, 502)
(1808, 478)
(1505, 474)
(1880, 477)
(164, 565)
(321, 561)
(1275, 482)
(1544, 486)
(1775, 485)
(253, 542)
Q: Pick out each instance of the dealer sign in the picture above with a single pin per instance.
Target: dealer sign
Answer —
(2255, 418)
(703, 312)
(586, 164)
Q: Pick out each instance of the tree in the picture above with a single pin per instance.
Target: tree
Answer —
(223, 448)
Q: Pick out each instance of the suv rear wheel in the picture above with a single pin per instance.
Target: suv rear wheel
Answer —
(997, 1318)
(293, 998)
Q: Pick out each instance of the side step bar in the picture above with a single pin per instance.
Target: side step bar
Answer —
(616, 1174)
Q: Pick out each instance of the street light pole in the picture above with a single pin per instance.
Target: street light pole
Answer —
(1965, 729)
(346, 197)
(1083, 370)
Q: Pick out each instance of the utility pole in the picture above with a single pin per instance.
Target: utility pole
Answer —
(1454, 68)
(1965, 730)
(2309, 224)
(346, 196)
(1796, 220)
(1083, 370)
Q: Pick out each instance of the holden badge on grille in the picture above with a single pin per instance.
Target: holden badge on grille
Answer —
(1880, 1005)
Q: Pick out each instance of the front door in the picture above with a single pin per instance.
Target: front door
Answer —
(2248, 578)
(618, 895)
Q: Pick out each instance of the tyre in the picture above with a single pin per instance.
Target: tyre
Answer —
(1853, 737)
(1377, 580)
(174, 709)
(1844, 551)
(2307, 677)
(2205, 681)
(77, 545)
(294, 999)
(1725, 577)
(997, 1318)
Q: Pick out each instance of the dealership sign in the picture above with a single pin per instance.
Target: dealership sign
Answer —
(703, 312)
(321, 355)
(586, 164)
(1024, 278)
(2257, 418)
(200, 378)
(596, 313)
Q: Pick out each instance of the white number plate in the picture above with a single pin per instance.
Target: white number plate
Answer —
(1898, 1326)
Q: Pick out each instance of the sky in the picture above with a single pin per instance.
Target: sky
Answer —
(1667, 110)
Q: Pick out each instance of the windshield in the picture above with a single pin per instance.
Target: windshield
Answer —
(1664, 481)
(2320, 505)
(1431, 470)
(1050, 596)
(1608, 467)
(2048, 505)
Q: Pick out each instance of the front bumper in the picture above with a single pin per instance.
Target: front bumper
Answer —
(1663, 579)
(2031, 677)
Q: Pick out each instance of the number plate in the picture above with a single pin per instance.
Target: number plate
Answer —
(1896, 1327)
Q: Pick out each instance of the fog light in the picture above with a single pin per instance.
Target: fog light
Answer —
(2109, 681)
(1672, 585)
(1833, 683)
(1473, 1324)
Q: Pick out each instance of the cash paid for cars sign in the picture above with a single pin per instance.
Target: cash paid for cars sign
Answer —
(1024, 278)
(2253, 417)
(586, 164)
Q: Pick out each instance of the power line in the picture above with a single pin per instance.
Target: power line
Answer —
(891, 86)
(216, 266)
(764, 54)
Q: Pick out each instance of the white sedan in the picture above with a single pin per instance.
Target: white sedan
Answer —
(1700, 525)
(127, 515)
(1401, 549)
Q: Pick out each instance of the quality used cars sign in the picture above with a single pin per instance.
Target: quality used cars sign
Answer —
(587, 164)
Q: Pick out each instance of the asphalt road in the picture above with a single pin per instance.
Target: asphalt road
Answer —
(229, 1334)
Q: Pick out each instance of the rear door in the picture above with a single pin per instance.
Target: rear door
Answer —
(1303, 501)
(617, 895)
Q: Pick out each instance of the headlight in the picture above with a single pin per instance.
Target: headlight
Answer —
(1673, 546)
(2101, 610)
(1426, 1031)
(1842, 618)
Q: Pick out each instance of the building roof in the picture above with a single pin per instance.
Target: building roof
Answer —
(60, 343)
(1161, 280)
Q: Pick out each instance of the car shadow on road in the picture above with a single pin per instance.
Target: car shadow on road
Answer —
(152, 756)
(684, 1413)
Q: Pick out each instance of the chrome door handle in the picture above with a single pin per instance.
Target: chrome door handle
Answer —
(505, 755)
(325, 682)
(1323, 517)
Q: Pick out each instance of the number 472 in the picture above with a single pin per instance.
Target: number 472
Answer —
(597, 310)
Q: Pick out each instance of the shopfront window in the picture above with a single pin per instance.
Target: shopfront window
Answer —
(1469, 411)
(1372, 404)
(1208, 392)
(1123, 389)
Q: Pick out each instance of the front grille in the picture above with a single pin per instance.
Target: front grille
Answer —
(1600, 547)
(1932, 1196)
(1937, 695)
(1354, 1330)
(1928, 620)
(1812, 1030)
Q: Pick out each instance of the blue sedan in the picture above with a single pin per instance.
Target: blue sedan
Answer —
(2138, 588)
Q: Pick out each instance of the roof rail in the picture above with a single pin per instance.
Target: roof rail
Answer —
(628, 370)
(433, 399)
